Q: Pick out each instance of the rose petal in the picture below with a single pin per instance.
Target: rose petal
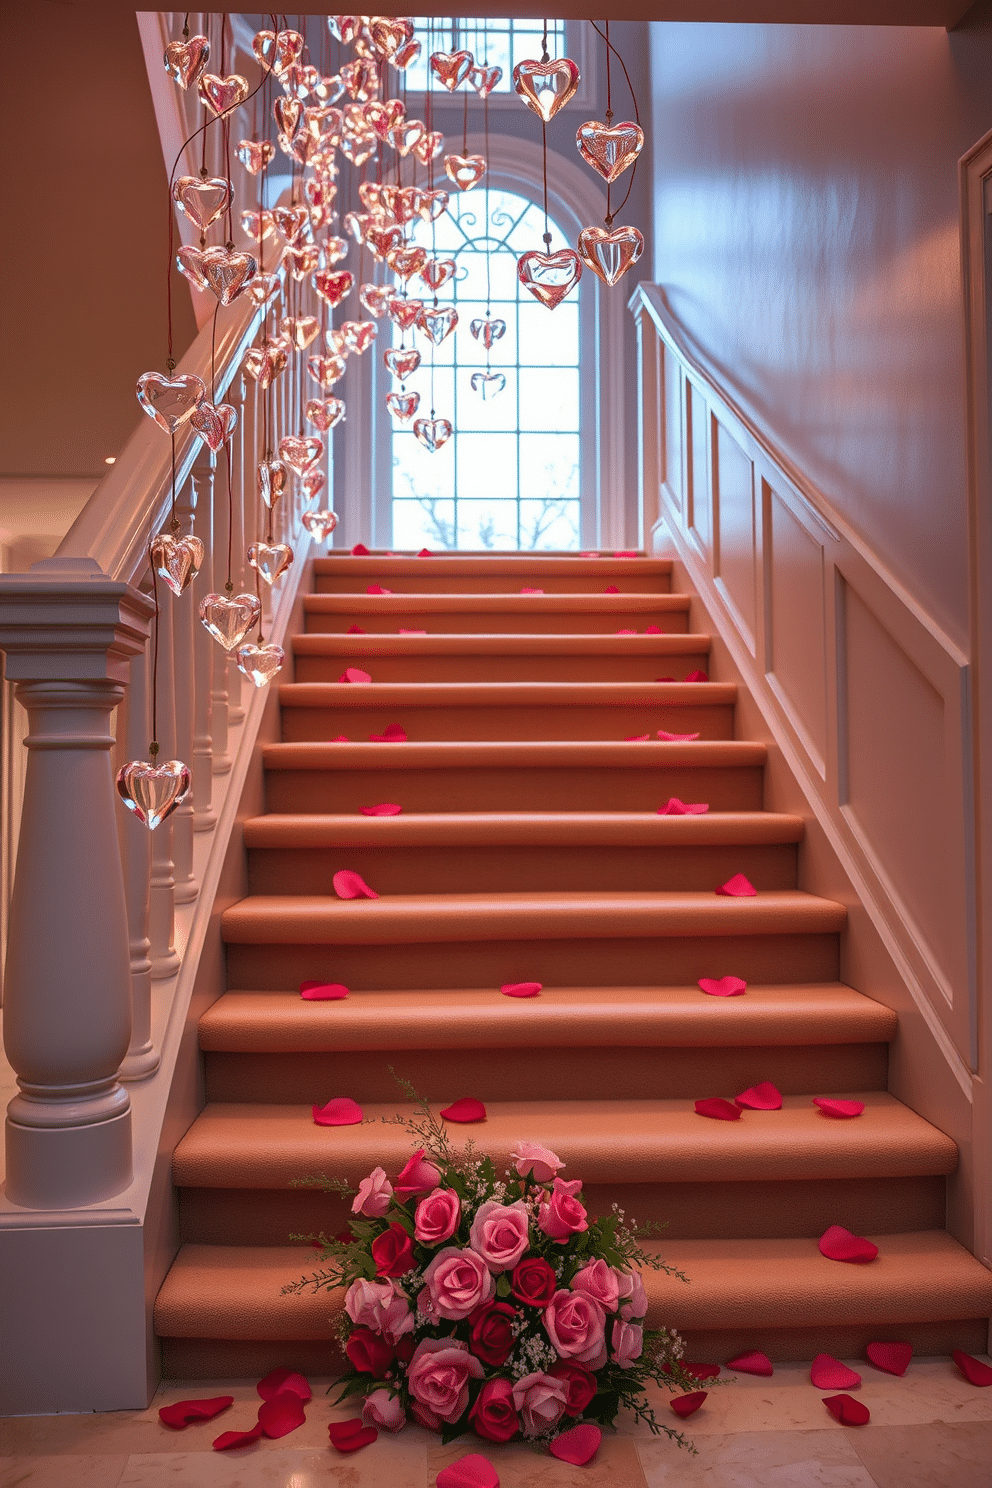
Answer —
(577, 1446)
(752, 1363)
(179, 1415)
(384, 808)
(228, 1439)
(719, 1109)
(892, 1357)
(611, 589)
(532, 591)
(393, 733)
(675, 807)
(635, 738)
(340, 739)
(360, 551)
(412, 632)
(840, 1108)
(351, 1436)
(377, 589)
(465, 1110)
(278, 1380)
(590, 555)
(697, 676)
(351, 885)
(473, 1471)
(355, 630)
(425, 553)
(701, 1372)
(687, 1405)
(675, 738)
(763, 1097)
(847, 1410)
(838, 1244)
(625, 632)
(282, 1414)
(342, 1111)
(653, 630)
(728, 986)
(354, 674)
(664, 679)
(974, 1371)
(828, 1373)
(521, 989)
(737, 887)
(323, 991)
(630, 554)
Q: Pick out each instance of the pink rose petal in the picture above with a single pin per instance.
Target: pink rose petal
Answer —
(577, 1446)
(532, 591)
(323, 991)
(839, 1108)
(521, 989)
(412, 632)
(342, 1111)
(360, 551)
(675, 807)
(838, 1244)
(635, 738)
(473, 1471)
(278, 1380)
(393, 733)
(847, 1410)
(630, 554)
(229, 1439)
(828, 1373)
(737, 887)
(719, 1109)
(728, 986)
(763, 1097)
(354, 674)
(355, 630)
(384, 808)
(590, 555)
(179, 1415)
(282, 1414)
(351, 885)
(752, 1363)
(697, 676)
(377, 589)
(611, 589)
(892, 1357)
(425, 553)
(974, 1371)
(675, 738)
(626, 632)
(465, 1110)
(664, 679)
(701, 1372)
(351, 1436)
(340, 739)
(653, 630)
(687, 1405)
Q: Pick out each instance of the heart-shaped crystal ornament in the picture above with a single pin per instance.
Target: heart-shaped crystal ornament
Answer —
(484, 79)
(257, 225)
(488, 384)
(465, 170)
(300, 452)
(428, 148)
(260, 663)
(432, 432)
(227, 272)
(327, 370)
(610, 254)
(263, 288)
(313, 483)
(176, 560)
(390, 33)
(202, 200)
(451, 68)
(255, 155)
(293, 222)
(402, 361)
(405, 262)
(185, 60)
(359, 335)
(403, 312)
(320, 524)
(269, 560)
(214, 422)
(271, 478)
(170, 401)
(324, 413)
(288, 114)
(345, 28)
(264, 363)
(229, 618)
(361, 79)
(436, 273)
(301, 329)
(609, 148)
(221, 94)
(277, 50)
(546, 87)
(301, 259)
(488, 331)
(189, 261)
(153, 792)
(403, 405)
(550, 276)
(437, 322)
(375, 298)
(332, 287)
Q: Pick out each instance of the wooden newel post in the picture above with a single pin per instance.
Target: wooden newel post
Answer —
(68, 633)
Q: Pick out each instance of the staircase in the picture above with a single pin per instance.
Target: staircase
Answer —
(530, 849)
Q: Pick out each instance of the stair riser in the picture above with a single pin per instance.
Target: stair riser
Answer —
(435, 581)
(715, 721)
(632, 789)
(493, 869)
(510, 622)
(482, 668)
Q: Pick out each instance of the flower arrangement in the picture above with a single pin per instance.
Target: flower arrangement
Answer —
(487, 1303)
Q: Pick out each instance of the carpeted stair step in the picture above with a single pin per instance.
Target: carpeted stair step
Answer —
(347, 573)
(527, 614)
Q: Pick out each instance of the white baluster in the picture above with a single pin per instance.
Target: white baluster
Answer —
(162, 898)
(204, 817)
(244, 471)
(219, 659)
(142, 1057)
(184, 622)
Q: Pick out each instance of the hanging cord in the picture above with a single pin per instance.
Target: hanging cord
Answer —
(611, 50)
(153, 744)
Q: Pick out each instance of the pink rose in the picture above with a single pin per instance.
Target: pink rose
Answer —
(438, 1376)
(499, 1234)
(580, 1384)
(456, 1283)
(562, 1214)
(530, 1158)
(374, 1194)
(628, 1343)
(598, 1280)
(417, 1177)
(632, 1296)
(383, 1410)
(425, 1417)
(437, 1217)
(493, 1415)
(575, 1323)
(540, 1400)
(366, 1302)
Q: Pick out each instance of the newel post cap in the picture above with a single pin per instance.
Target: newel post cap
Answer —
(65, 620)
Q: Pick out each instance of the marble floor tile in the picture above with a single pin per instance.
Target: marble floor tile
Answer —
(77, 1471)
(757, 1459)
(938, 1455)
(615, 1465)
(388, 1463)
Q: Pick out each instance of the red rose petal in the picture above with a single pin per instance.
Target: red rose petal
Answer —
(763, 1097)
(675, 807)
(687, 1405)
(425, 553)
(847, 1410)
(340, 739)
(384, 808)
(355, 630)
(393, 733)
(351, 885)
(412, 632)
(838, 1244)
(532, 591)
(342, 1111)
(377, 589)
(228, 1439)
(675, 738)
(278, 1380)
(625, 632)
(664, 679)
(282, 1414)
(635, 738)
(892, 1357)
(974, 1371)
(752, 1363)
(323, 991)
(465, 1110)
(701, 1372)
(360, 551)
(737, 887)
(521, 989)
(627, 555)
(473, 1471)
(697, 676)
(351, 1436)
(653, 630)
(839, 1108)
(721, 1110)
(577, 1446)
(354, 674)
(828, 1373)
(611, 589)
(179, 1415)
(728, 986)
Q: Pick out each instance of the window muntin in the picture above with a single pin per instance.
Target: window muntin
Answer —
(496, 42)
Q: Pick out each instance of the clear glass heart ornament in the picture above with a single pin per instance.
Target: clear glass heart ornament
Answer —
(609, 148)
(202, 200)
(229, 618)
(320, 524)
(550, 276)
(432, 433)
(403, 405)
(610, 253)
(546, 87)
(300, 451)
(214, 423)
(152, 792)
(176, 560)
(270, 560)
(488, 384)
(260, 663)
(271, 477)
(170, 401)
(185, 60)
(488, 331)
(324, 413)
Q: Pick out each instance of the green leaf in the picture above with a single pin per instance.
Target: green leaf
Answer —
(503, 1286)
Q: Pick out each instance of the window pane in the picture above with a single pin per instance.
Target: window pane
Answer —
(549, 466)
(487, 524)
(549, 524)
(549, 399)
(428, 523)
(487, 466)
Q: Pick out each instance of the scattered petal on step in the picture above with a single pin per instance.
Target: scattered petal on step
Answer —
(355, 630)
(179, 1415)
(892, 1357)
(626, 632)
(675, 807)
(728, 986)
(697, 676)
(473, 1471)
(636, 738)
(351, 885)
(664, 679)
(377, 589)
(323, 991)
(351, 1436)
(360, 551)
(465, 1110)
(281, 1379)
(675, 738)
(412, 632)
(627, 555)
(611, 589)
(839, 1108)
(687, 1405)
(229, 1439)
(577, 1446)
(838, 1244)
(282, 1414)
(701, 1372)
(762, 1097)
(521, 989)
(737, 887)
(589, 555)
(393, 733)
(425, 553)
(342, 1111)
(752, 1363)
(340, 739)
(974, 1371)
(828, 1373)
(384, 808)
(847, 1410)
(532, 591)
(653, 630)
(719, 1109)
(354, 674)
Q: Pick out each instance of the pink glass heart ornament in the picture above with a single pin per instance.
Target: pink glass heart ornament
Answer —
(326, 370)
(325, 123)
(389, 34)
(214, 423)
(488, 384)
(324, 413)
(320, 524)
(332, 251)
(546, 87)
(288, 114)
(429, 146)
(301, 329)
(152, 791)
(260, 663)
(436, 273)
(609, 148)
(277, 50)
(359, 335)
(333, 287)
(345, 28)
(227, 272)
(189, 261)
(359, 148)
(402, 361)
(375, 298)
(484, 79)
(336, 343)
(329, 89)
(301, 260)
(405, 137)
(550, 276)
(403, 405)
(255, 155)
(402, 312)
(263, 288)
(221, 94)
(432, 433)
(437, 322)
(610, 253)
(300, 451)
(271, 477)
(405, 262)
(170, 401)
(312, 482)
(202, 200)
(292, 223)
(406, 55)
(185, 60)
(264, 363)
(229, 618)
(488, 331)
(270, 560)
(383, 114)
(176, 560)
(382, 240)
(451, 68)
(465, 171)
(257, 225)
(361, 79)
